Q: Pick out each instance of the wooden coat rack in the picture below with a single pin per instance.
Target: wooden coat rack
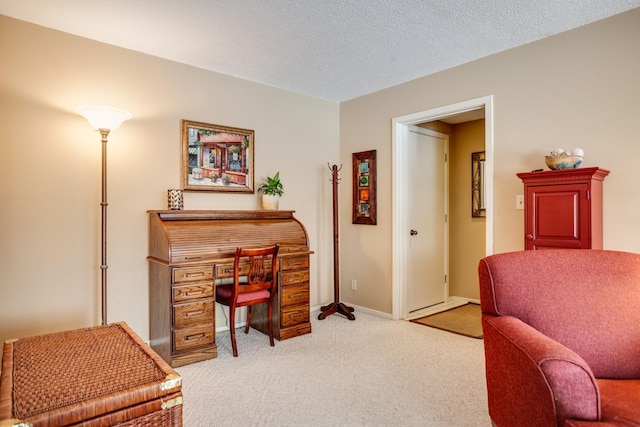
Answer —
(336, 306)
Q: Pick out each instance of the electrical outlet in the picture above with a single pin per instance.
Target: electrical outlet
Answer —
(354, 285)
(519, 202)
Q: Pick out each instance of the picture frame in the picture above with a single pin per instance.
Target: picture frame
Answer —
(364, 188)
(216, 158)
(478, 209)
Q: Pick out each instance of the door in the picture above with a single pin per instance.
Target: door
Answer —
(557, 216)
(427, 206)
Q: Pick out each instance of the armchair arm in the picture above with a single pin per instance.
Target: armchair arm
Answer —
(534, 380)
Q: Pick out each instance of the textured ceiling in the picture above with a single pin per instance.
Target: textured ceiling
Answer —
(330, 49)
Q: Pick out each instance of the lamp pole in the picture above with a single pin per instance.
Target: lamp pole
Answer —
(103, 205)
(104, 120)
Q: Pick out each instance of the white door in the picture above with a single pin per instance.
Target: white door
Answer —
(427, 222)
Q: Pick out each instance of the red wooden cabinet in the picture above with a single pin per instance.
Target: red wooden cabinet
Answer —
(563, 208)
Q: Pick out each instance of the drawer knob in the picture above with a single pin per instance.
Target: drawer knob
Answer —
(193, 313)
(199, 274)
(192, 293)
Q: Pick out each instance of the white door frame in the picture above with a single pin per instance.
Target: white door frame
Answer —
(400, 193)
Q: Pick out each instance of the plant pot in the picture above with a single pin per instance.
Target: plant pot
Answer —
(270, 202)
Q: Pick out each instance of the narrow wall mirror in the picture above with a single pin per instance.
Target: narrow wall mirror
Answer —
(477, 185)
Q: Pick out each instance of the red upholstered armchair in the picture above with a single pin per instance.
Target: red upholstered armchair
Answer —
(562, 337)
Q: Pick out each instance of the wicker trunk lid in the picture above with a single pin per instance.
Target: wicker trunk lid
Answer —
(104, 375)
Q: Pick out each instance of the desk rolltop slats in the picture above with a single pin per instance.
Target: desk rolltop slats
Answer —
(204, 238)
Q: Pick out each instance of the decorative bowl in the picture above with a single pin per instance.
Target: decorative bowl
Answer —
(563, 162)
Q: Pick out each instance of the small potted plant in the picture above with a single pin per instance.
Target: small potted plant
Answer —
(271, 190)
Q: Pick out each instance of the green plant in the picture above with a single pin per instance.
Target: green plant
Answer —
(272, 186)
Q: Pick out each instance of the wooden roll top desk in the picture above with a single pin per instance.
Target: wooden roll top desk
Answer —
(191, 251)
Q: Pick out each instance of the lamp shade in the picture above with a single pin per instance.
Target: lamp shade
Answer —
(101, 117)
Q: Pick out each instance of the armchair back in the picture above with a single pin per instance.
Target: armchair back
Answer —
(587, 300)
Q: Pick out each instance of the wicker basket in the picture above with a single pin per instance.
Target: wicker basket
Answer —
(100, 376)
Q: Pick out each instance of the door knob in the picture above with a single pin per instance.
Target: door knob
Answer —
(529, 236)
(414, 232)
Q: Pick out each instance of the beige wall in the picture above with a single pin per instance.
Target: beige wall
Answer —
(577, 89)
(50, 169)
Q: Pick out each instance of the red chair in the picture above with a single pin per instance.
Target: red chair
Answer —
(257, 287)
(562, 337)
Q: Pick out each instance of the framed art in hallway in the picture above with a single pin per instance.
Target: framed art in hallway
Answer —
(216, 158)
(364, 188)
(478, 209)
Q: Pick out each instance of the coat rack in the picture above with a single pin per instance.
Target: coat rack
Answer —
(336, 306)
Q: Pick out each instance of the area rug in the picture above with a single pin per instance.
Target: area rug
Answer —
(463, 320)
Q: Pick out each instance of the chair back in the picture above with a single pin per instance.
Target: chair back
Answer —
(588, 300)
(255, 269)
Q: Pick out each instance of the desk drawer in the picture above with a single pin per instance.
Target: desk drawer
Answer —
(294, 277)
(294, 316)
(192, 274)
(225, 271)
(290, 248)
(196, 336)
(294, 295)
(193, 313)
(294, 263)
(190, 292)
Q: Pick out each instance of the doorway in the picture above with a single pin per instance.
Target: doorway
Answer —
(401, 192)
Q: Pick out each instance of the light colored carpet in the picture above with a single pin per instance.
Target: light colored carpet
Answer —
(367, 372)
(463, 320)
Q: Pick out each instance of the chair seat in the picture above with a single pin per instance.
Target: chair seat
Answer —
(224, 292)
(620, 403)
(620, 399)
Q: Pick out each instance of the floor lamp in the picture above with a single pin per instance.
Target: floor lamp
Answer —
(104, 120)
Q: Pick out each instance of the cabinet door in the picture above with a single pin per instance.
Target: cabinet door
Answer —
(557, 216)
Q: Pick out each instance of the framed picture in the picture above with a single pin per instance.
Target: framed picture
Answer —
(216, 158)
(478, 209)
(364, 187)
